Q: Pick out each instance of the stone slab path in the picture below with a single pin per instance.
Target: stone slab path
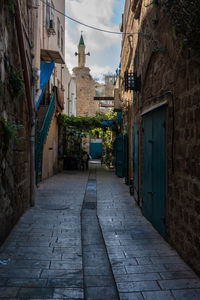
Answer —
(98, 278)
(143, 263)
(48, 256)
(44, 251)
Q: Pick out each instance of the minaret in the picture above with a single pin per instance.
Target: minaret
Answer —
(85, 85)
(81, 53)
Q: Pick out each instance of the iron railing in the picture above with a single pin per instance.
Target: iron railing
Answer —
(41, 138)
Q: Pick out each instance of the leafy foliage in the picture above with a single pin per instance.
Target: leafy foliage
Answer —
(9, 132)
(11, 5)
(85, 124)
(186, 20)
(16, 83)
(77, 127)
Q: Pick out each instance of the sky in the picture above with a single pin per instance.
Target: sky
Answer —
(104, 48)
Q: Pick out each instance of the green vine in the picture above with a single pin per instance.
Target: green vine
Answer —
(11, 5)
(77, 127)
(9, 131)
(16, 84)
(186, 20)
(84, 124)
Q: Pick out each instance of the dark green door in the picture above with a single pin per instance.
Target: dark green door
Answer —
(119, 155)
(147, 188)
(96, 150)
(125, 160)
(154, 168)
(136, 159)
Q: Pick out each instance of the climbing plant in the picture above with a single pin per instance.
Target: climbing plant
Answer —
(185, 15)
(84, 124)
(98, 127)
(11, 5)
(9, 132)
(16, 84)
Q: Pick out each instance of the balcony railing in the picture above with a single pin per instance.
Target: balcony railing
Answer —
(41, 138)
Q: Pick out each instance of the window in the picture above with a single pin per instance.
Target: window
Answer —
(62, 40)
(50, 12)
(47, 13)
(58, 32)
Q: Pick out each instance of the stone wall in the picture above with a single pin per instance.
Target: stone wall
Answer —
(50, 151)
(170, 73)
(166, 67)
(15, 160)
(86, 105)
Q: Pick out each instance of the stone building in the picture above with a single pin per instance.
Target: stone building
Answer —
(16, 109)
(52, 83)
(86, 106)
(70, 99)
(105, 94)
(162, 121)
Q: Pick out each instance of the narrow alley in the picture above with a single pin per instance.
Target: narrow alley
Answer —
(87, 239)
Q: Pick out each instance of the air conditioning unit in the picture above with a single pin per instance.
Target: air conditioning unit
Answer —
(51, 29)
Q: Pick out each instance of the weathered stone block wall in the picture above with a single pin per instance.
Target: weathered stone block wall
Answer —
(165, 66)
(86, 105)
(15, 162)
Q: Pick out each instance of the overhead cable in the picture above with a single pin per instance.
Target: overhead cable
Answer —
(83, 24)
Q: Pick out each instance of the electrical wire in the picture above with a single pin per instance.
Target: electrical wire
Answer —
(83, 24)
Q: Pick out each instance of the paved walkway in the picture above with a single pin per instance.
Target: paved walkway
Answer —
(45, 246)
(42, 257)
(143, 264)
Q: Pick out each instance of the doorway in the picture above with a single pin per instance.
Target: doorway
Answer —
(154, 168)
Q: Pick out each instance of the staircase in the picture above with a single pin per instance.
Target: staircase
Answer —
(41, 138)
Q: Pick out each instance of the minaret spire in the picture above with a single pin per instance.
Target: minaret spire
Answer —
(81, 52)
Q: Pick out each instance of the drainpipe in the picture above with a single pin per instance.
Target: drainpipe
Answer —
(69, 83)
(28, 97)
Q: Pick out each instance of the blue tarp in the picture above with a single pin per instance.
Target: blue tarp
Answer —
(46, 70)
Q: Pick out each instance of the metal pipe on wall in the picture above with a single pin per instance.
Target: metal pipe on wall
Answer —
(28, 97)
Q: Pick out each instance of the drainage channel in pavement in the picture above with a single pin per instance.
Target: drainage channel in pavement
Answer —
(98, 278)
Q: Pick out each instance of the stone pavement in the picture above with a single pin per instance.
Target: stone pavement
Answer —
(44, 248)
(99, 282)
(53, 254)
(143, 264)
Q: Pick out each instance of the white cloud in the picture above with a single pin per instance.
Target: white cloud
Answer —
(104, 47)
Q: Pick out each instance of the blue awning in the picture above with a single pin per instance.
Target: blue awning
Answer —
(107, 123)
(46, 70)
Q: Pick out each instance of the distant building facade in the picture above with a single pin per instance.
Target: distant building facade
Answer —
(52, 92)
(106, 92)
(70, 95)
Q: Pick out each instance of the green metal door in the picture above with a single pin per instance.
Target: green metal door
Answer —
(136, 159)
(154, 168)
(125, 158)
(96, 150)
(119, 155)
(159, 170)
(147, 188)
